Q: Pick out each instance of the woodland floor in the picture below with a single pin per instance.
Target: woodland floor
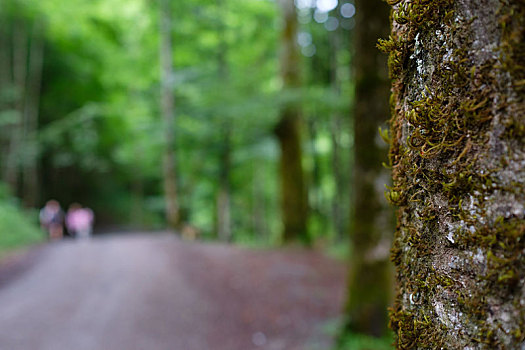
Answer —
(156, 292)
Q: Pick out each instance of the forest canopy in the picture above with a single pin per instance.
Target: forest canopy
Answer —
(96, 134)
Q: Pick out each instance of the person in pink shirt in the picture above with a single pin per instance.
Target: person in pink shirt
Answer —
(79, 221)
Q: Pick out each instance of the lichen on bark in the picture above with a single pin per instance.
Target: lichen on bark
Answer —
(458, 163)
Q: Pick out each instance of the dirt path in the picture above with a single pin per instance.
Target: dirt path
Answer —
(154, 292)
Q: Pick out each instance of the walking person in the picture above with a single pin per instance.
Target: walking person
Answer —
(52, 220)
(79, 221)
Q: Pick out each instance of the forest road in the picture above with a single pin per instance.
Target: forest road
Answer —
(156, 292)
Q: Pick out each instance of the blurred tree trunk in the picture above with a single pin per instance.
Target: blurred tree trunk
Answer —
(19, 69)
(224, 229)
(458, 160)
(5, 85)
(288, 131)
(370, 275)
(336, 126)
(336, 129)
(30, 123)
(259, 204)
(315, 191)
(223, 196)
(168, 115)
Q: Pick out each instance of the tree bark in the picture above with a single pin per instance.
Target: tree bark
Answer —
(370, 275)
(294, 200)
(458, 159)
(168, 115)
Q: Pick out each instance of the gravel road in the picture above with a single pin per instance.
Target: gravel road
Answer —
(156, 292)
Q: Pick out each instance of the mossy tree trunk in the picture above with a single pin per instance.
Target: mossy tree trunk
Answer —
(370, 279)
(288, 132)
(168, 115)
(458, 159)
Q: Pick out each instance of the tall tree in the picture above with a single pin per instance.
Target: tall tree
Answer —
(224, 229)
(288, 131)
(30, 116)
(458, 155)
(336, 130)
(168, 114)
(19, 74)
(369, 281)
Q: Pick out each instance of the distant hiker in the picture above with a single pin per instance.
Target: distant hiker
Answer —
(52, 219)
(79, 221)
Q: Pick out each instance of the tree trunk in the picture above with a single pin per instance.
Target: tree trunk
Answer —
(314, 189)
(336, 129)
(19, 69)
(224, 225)
(458, 160)
(338, 199)
(168, 115)
(224, 231)
(5, 83)
(30, 162)
(369, 281)
(288, 131)
(259, 203)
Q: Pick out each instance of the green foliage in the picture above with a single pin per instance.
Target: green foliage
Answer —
(355, 341)
(17, 228)
(100, 138)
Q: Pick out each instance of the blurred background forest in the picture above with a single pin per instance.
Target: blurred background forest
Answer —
(245, 121)
(81, 119)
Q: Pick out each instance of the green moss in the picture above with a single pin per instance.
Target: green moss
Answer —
(413, 331)
(436, 145)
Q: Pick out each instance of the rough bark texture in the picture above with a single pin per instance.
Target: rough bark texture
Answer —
(458, 159)
(370, 275)
(288, 132)
(168, 115)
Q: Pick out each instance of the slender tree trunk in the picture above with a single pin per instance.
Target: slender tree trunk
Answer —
(370, 280)
(137, 190)
(458, 160)
(5, 82)
(168, 115)
(315, 190)
(338, 198)
(19, 67)
(259, 205)
(336, 129)
(224, 225)
(30, 163)
(224, 231)
(288, 131)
